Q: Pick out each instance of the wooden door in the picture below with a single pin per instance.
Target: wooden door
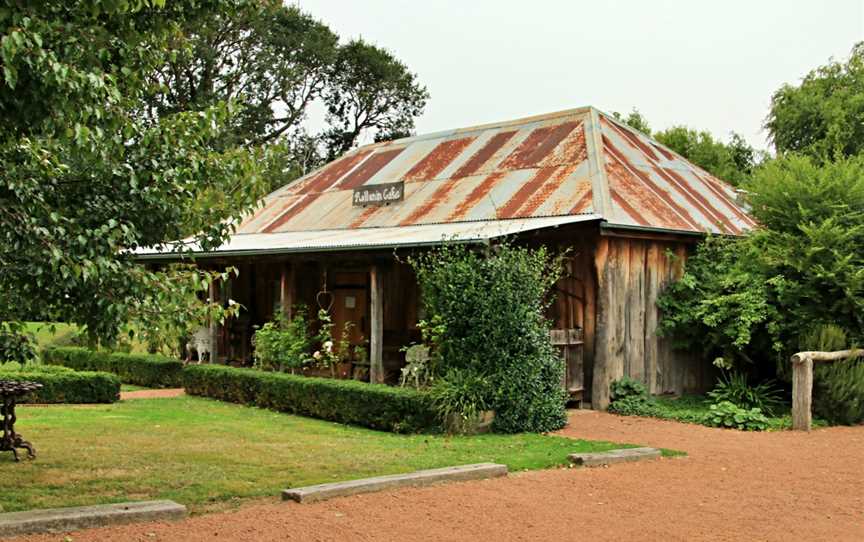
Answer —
(570, 344)
(350, 305)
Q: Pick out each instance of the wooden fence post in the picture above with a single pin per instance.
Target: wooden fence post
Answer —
(802, 393)
(802, 383)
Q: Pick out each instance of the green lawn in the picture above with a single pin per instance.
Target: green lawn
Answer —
(132, 387)
(47, 333)
(197, 451)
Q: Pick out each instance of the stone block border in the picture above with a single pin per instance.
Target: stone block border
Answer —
(622, 455)
(57, 520)
(322, 492)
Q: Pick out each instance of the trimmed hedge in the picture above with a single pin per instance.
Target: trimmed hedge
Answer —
(60, 385)
(147, 370)
(345, 401)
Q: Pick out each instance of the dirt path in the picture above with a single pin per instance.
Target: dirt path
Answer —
(732, 486)
(152, 394)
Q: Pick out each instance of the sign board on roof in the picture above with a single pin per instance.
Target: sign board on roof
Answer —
(379, 194)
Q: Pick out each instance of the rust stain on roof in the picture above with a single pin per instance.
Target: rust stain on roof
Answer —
(535, 191)
(722, 196)
(697, 200)
(633, 138)
(364, 216)
(481, 156)
(480, 191)
(367, 169)
(629, 187)
(292, 211)
(666, 154)
(537, 145)
(332, 173)
(435, 162)
(629, 209)
(437, 197)
(571, 150)
(671, 205)
(550, 165)
(583, 204)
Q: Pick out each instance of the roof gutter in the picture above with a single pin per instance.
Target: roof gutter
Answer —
(169, 256)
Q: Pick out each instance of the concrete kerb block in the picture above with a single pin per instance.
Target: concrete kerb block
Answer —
(623, 455)
(321, 492)
(57, 520)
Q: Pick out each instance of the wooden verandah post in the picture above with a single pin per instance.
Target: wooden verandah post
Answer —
(286, 290)
(802, 383)
(376, 327)
(214, 324)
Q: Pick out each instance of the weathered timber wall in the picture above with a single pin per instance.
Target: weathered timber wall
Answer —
(631, 274)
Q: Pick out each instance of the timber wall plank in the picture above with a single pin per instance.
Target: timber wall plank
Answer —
(631, 275)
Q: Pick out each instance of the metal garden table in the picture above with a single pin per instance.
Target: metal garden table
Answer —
(10, 392)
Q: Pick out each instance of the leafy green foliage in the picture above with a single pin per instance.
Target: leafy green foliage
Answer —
(60, 385)
(728, 415)
(332, 353)
(838, 392)
(734, 388)
(491, 306)
(627, 387)
(629, 397)
(459, 398)
(753, 298)
(152, 371)
(821, 117)
(16, 344)
(345, 401)
(283, 344)
(635, 120)
(86, 179)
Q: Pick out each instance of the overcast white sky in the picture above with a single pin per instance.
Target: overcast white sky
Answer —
(707, 64)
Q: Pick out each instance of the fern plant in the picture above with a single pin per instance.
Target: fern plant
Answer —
(734, 387)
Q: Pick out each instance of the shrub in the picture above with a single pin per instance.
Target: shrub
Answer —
(345, 401)
(283, 344)
(733, 387)
(489, 307)
(459, 398)
(729, 415)
(61, 385)
(752, 298)
(629, 397)
(838, 392)
(149, 370)
(627, 387)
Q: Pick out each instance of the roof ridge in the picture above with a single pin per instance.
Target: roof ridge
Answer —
(484, 126)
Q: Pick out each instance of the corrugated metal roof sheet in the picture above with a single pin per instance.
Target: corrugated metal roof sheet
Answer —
(574, 162)
(574, 165)
(369, 238)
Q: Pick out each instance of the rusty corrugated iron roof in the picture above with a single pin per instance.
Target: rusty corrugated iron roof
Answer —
(576, 162)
